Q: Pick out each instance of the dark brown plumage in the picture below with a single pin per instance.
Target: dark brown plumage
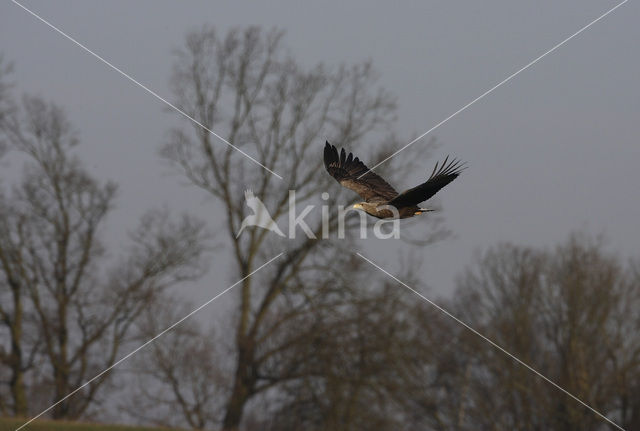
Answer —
(351, 173)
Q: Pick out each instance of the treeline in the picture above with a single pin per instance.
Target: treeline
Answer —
(316, 340)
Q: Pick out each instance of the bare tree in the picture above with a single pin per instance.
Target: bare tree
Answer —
(250, 91)
(353, 360)
(18, 354)
(352, 373)
(179, 379)
(571, 313)
(83, 303)
(17, 318)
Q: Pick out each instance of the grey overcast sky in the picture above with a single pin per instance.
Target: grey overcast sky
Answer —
(554, 150)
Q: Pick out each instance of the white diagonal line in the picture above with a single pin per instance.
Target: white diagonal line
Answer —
(509, 78)
(147, 89)
(497, 346)
(124, 358)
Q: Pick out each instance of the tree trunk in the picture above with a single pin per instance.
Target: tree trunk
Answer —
(19, 395)
(61, 410)
(243, 385)
(16, 382)
(61, 368)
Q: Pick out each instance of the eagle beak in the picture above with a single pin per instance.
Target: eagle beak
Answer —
(357, 206)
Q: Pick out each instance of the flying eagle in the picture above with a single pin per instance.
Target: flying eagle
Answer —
(378, 195)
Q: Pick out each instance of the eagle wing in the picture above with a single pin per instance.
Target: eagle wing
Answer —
(351, 173)
(439, 178)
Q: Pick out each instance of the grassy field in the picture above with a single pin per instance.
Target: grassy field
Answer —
(7, 424)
